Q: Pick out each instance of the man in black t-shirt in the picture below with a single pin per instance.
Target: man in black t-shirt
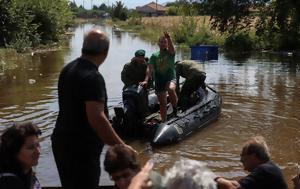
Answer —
(264, 174)
(82, 126)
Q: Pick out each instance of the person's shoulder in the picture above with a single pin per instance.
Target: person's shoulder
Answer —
(10, 181)
(92, 77)
(268, 168)
(128, 64)
(153, 58)
(69, 65)
(126, 67)
(268, 165)
(155, 54)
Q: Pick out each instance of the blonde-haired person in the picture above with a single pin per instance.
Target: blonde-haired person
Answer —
(255, 158)
(162, 64)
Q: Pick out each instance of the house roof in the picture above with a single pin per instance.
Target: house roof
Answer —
(152, 6)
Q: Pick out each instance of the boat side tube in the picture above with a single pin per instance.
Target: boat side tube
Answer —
(187, 122)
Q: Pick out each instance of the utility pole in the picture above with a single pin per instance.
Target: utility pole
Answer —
(156, 9)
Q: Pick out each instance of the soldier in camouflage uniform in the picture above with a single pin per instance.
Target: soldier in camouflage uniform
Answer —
(194, 79)
(135, 72)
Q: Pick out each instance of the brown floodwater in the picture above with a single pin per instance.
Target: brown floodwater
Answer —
(261, 96)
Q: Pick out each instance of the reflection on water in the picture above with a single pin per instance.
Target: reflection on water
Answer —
(260, 97)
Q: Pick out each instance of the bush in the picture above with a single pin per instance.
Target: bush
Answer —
(119, 11)
(185, 30)
(29, 23)
(135, 21)
(239, 42)
(173, 11)
(52, 17)
(203, 36)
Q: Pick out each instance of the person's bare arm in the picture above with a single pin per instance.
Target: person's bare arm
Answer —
(171, 48)
(150, 70)
(101, 125)
(227, 184)
(142, 180)
(147, 78)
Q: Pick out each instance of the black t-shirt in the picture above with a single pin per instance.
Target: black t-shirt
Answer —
(265, 176)
(79, 82)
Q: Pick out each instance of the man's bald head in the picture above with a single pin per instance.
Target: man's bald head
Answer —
(95, 43)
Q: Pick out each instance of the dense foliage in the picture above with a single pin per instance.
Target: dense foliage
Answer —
(184, 8)
(246, 24)
(276, 23)
(101, 11)
(279, 24)
(25, 24)
(119, 11)
(116, 11)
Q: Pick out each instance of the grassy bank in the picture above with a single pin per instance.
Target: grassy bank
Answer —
(77, 21)
(185, 31)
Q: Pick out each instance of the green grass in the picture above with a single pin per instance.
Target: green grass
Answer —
(184, 31)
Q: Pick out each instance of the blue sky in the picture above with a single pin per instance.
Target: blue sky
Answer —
(127, 3)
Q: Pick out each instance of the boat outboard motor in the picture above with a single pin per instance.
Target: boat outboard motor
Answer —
(135, 101)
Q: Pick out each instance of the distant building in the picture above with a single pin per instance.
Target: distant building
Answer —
(152, 9)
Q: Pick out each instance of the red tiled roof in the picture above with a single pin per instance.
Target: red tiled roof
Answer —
(152, 5)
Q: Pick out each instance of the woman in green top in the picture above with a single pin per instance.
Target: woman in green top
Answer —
(162, 63)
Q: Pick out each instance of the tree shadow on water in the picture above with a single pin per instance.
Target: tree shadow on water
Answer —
(239, 57)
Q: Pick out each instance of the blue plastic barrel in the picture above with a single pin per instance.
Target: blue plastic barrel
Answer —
(204, 52)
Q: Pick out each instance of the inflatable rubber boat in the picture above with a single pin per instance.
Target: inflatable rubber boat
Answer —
(138, 116)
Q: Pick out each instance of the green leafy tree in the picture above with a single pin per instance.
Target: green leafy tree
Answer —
(278, 27)
(103, 7)
(119, 11)
(277, 21)
(230, 15)
(173, 10)
(6, 21)
(28, 23)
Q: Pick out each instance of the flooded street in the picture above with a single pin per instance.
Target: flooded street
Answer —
(261, 96)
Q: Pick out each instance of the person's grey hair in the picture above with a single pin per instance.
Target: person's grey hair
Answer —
(189, 174)
(258, 146)
(95, 42)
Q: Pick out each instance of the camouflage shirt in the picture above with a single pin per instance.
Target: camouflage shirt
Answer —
(188, 68)
(133, 73)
